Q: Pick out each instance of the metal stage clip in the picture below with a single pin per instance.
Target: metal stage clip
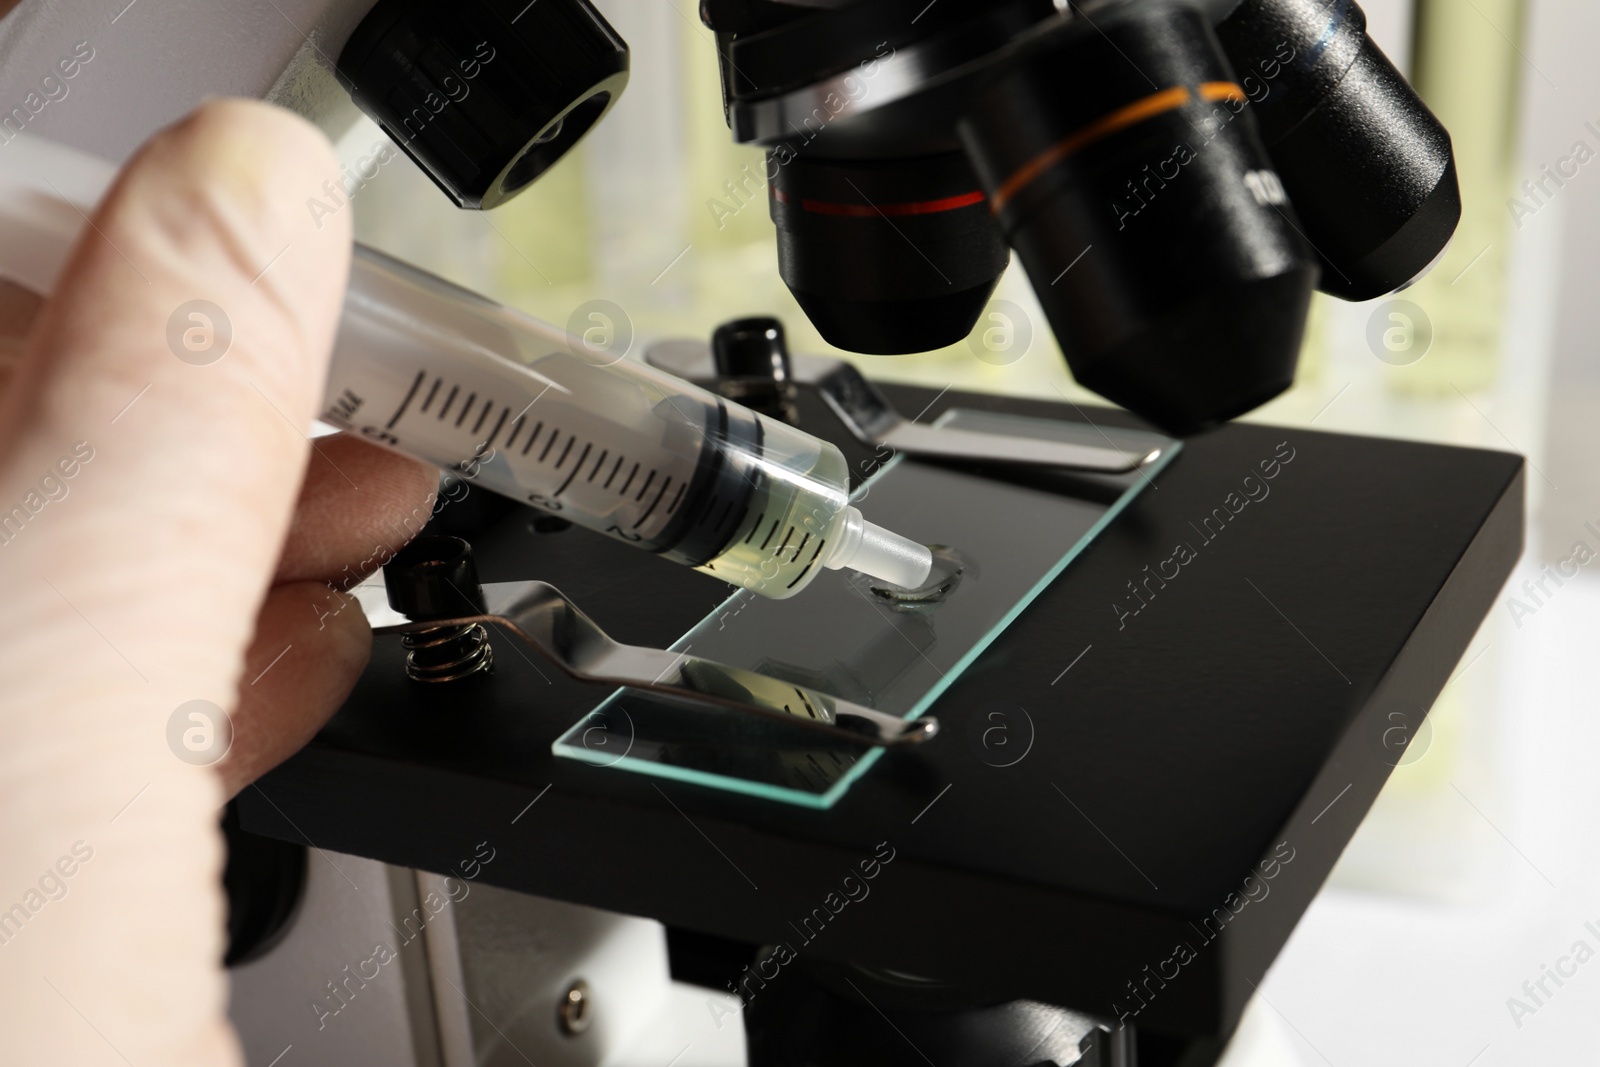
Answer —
(873, 420)
(552, 625)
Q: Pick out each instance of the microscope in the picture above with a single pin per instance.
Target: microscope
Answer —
(986, 822)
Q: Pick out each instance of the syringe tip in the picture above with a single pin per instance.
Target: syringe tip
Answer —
(884, 554)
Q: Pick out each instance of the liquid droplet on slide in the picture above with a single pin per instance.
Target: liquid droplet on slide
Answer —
(948, 567)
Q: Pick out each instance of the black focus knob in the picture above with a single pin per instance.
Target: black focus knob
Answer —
(751, 348)
(264, 880)
(752, 362)
(485, 95)
(433, 577)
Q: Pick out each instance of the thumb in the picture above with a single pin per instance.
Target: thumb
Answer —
(185, 350)
(151, 447)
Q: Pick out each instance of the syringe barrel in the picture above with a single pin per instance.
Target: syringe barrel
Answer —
(516, 406)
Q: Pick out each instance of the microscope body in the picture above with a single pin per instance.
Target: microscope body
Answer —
(1175, 178)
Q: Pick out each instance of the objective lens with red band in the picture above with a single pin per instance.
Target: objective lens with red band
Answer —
(889, 211)
(886, 256)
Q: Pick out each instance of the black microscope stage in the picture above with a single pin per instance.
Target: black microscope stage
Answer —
(1209, 728)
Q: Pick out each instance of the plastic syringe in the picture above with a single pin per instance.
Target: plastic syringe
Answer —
(441, 374)
(436, 372)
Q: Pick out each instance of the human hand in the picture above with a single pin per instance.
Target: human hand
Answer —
(173, 544)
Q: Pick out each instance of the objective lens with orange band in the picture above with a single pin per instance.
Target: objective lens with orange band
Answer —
(1122, 164)
(1158, 103)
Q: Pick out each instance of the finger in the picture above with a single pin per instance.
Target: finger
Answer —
(134, 581)
(359, 505)
(191, 467)
(18, 307)
(310, 646)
